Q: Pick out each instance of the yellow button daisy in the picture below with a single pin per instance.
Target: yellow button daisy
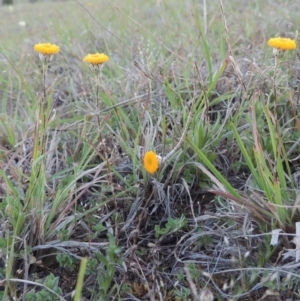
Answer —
(96, 58)
(151, 162)
(282, 43)
(46, 48)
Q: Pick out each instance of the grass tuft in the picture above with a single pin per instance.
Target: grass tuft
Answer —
(212, 213)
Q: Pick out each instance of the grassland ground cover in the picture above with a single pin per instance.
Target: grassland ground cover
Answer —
(196, 87)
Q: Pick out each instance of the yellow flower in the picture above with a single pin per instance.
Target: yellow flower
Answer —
(282, 43)
(46, 48)
(96, 58)
(151, 162)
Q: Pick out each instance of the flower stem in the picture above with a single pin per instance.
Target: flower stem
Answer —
(98, 99)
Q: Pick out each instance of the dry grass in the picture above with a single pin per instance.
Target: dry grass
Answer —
(202, 224)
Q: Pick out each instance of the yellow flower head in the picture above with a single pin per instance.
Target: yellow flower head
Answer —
(151, 162)
(96, 59)
(282, 43)
(46, 48)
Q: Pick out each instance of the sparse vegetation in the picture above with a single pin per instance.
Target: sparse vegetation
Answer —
(212, 211)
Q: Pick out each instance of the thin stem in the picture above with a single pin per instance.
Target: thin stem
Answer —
(40, 135)
(98, 99)
(274, 88)
(44, 80)
(275, 116)
(43, 109)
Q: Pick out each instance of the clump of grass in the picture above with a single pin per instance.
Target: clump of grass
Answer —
(208, 213)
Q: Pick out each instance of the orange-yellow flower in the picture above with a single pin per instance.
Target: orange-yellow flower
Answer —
(46, 48)
(96, 58)
(282, 43)
(151, 162)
